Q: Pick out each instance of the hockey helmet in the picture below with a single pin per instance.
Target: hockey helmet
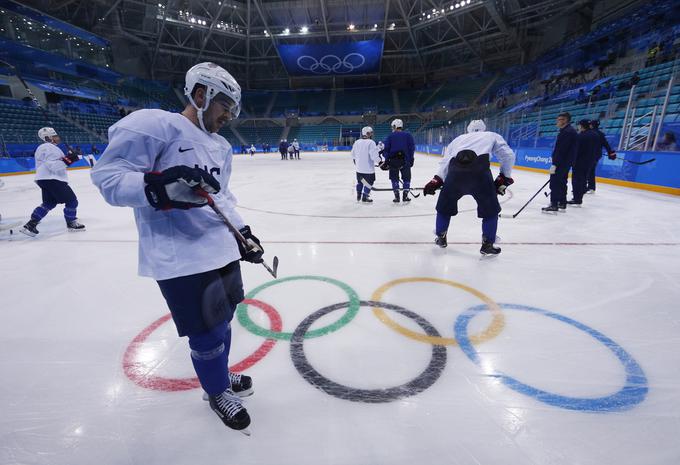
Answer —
(397, 123)
(218, 82)
(45, 134)
(366, 131)
(476, 125)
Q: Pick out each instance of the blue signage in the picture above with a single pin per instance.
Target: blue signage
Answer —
(337, 59)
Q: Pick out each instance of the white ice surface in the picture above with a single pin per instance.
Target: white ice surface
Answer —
(72, 303)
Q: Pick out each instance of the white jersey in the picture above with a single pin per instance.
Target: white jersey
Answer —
(365, 155)
(480, 142)
(296, 145)
(49, 163)
(252, 148)
(175, 242)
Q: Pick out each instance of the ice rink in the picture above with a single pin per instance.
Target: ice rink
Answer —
(373, 347)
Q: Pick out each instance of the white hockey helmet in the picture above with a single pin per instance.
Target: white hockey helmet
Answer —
(397, 123)
(366, 131)
(44, 133)
(476, 125)
(217, 81)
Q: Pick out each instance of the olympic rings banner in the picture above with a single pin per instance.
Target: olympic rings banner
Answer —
(362, 57)
(634, 390)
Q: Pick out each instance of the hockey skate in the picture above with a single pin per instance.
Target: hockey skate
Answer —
(396, 197)
(30, 228)
(489, 249)
(231, 411)
(241, 385)
(440, 240)
(405, 196)
(550, 209)
(562, 207)
(358, 196)
(366, 199)
(575, 203)
(74, 226)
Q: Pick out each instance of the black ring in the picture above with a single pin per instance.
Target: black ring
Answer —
(417, 385)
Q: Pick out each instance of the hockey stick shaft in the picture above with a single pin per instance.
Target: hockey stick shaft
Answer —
(532, 198)
(247, 245)
(367, 185)
(637, 162)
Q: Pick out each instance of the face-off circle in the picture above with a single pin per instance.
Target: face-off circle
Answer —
(417, 385)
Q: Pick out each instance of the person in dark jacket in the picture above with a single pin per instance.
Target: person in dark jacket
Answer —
(588, 148)
(604, 144)
(563, 156)
(283, 149)
(399, 157)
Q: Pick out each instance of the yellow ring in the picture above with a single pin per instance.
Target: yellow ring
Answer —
(497, 323)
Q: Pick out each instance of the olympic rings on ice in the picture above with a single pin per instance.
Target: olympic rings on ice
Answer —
(632, 393)
(331, 63)
(141, 373)
(495, 327)
(418, 384)
(250, 325)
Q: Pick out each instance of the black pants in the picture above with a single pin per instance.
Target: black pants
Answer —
(590, 183)
(579, 176)
(558, 185)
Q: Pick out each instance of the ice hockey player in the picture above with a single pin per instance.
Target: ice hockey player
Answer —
(604, 144)
(51, 177)
(399, 157)
(586, 155)
(563, 156)
(283, 149)
(296, 148)
(157, 162)
(251, 150)
(365, 156)
(381, 151)
(464, 170)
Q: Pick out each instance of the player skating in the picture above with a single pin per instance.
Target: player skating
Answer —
(399, 155)
(155, 162)
(251, 150)
(365, 156)
(465, 170)
(51, 177)
(296, 148)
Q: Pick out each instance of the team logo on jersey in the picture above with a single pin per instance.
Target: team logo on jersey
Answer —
(181, 150)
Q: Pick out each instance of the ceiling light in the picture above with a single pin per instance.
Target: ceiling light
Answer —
(286, 31)
(304, 30)
(351, 27)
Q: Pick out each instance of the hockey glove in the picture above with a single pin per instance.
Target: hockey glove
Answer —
(432, 186)
(611, 155)
(71, 157)
(502, 183)
(384, 165)
(254, 252)
(176, 186)
(553, 169)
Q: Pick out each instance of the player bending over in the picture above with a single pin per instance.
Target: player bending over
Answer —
(464, 172)
(155, 162)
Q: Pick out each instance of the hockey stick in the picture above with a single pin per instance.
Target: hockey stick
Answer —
(410, 189)
(636, 162)
(247, 244)
(501, 215)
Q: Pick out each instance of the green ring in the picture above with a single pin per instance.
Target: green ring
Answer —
(250, 325)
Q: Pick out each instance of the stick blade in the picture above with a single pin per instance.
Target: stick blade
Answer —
(275, 266)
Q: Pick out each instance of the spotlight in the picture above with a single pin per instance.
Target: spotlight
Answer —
(286, 31)
(351, 27)
(304, 30)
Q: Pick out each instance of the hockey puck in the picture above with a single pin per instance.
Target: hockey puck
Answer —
(417, 385)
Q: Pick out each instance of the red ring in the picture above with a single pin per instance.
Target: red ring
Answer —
(140, 373)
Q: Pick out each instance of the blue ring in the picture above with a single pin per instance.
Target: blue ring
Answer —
(632, 393)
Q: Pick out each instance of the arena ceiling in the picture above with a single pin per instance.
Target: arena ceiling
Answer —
(423, 39)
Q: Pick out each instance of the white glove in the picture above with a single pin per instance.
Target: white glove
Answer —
(553, 169)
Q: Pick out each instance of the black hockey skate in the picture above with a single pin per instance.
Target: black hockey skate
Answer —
(366, 199)
(241, 385)
(440, 240)
(396, 197)
(30, 228)
(562, 207)
(358, 196)
(74, 226)
(489, 249)
(574, 202)
(550, 209)
(231, 411)
(405, 197)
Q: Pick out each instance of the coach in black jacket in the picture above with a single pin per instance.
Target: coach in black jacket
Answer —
(604, 144)
(563, 157)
